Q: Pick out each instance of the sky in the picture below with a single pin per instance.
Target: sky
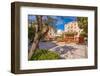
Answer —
(60, 20)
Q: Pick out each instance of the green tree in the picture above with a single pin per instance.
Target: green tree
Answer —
(39, 31)
(51, 22)
(31, 32)
(83, 24)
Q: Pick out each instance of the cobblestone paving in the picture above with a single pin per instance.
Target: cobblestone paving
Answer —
(71, 51)
(66, 51)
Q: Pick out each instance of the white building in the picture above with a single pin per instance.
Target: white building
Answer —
(72, 27)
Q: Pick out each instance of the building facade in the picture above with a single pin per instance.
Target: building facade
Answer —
(50, 34)
(72, 27)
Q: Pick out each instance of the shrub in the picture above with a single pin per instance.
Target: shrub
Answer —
(83, 34)
(70, 33)
(43, 54)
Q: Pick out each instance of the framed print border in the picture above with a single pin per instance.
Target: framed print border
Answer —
(15, 37)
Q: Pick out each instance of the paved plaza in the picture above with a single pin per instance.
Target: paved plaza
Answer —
(66, 50)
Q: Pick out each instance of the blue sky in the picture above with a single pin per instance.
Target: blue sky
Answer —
(60, 20)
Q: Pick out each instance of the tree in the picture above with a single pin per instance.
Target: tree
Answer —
(31, 32)
(83, 24)
(51, 22)
(40, 30)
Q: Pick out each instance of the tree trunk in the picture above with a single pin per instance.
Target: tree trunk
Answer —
(34, 46)
(38, 35)
(35, 43)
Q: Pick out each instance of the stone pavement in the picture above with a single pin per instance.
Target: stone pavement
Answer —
(66, 50)
(71, 51)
